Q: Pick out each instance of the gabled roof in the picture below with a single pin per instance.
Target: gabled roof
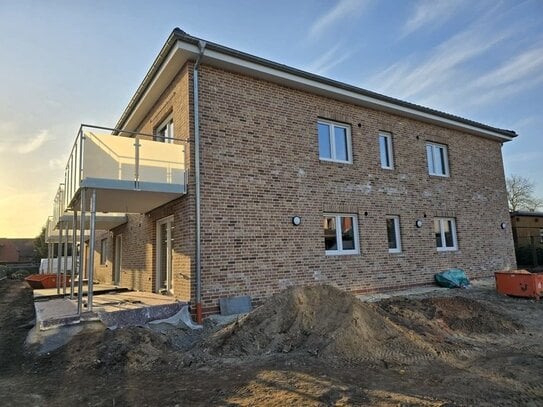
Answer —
(181, 47)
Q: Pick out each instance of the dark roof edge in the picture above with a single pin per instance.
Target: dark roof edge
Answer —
(178, 34)
(527, 213)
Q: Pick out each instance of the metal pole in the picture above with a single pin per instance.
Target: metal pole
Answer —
(201, 46)
(59, 256)
(49, 257)
(137, 163)
(81, 253)
(74, 251)
(65, 260)
(90, 264)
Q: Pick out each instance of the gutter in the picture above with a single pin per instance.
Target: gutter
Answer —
(179, 35)
(201, 47)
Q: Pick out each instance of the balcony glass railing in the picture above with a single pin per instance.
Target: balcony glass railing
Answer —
(135, 163)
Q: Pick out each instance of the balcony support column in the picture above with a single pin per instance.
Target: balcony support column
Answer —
(65, 267)
(90, 268)
(74, 253)
(81, 253)
(49, 258)
(59, 255)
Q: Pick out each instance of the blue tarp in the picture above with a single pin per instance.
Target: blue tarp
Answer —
(452, 278)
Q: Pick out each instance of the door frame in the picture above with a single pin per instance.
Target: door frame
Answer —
(168, 221)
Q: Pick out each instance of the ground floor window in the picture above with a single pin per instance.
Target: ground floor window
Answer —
(103, 251)
(393, 233)
(445, 232)
(341, 234)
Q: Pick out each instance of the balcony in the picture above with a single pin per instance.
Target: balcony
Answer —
(130, 174)
(63, 217)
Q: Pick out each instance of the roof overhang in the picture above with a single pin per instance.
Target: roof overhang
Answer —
(181, 48)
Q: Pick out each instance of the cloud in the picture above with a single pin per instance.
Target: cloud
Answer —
(418, 76)
(343, 9)
(34, 143)
(328, 60)
(430, 13)
(56, 164)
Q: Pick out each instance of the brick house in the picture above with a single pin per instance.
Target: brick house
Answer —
(303, 180)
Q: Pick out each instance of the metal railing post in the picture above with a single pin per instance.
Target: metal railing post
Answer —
(137, 163)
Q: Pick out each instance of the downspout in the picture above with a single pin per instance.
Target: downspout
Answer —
(201, 46)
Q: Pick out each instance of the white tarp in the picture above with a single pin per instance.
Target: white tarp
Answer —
(45, 262)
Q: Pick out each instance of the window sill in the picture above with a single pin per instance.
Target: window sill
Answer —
(447, 249)
(329, 160)
(334, 253)
(439, 175)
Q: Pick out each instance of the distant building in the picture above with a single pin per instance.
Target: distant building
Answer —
(16, 250)
(528, 237)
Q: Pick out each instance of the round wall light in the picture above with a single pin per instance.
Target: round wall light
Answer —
(296, 220)
(503, 225)
(418, 223)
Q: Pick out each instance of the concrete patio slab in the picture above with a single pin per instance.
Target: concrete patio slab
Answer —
(114, 309)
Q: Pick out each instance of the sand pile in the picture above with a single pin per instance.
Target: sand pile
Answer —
(456, 315)
(318, 320)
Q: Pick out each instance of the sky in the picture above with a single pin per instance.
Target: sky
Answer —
(63, 63)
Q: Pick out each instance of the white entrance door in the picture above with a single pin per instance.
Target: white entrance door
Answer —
(164, 255)
(118, 259)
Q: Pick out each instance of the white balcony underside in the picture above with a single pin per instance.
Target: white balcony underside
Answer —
(104, 221)
(54, 237)
(124, 200)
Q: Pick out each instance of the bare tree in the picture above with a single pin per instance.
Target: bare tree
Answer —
(520, 194)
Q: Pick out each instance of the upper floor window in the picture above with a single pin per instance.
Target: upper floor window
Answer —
(164, 132)
(540, 235)
(445, 232)
(341, 234)
(438, 162)
(385, 148)
(334, 141)
(393, 233)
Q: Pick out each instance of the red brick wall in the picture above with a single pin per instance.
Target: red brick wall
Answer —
(260, 166)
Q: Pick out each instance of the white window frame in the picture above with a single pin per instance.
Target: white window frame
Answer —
(167, 127)
(432, 154)
(540, 235)
(332, 125)
(442, 232)
(168, 221)
(396, 220)
(339, 251)
(389, 153)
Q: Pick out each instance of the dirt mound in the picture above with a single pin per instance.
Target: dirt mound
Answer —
(319, 320)
(125, 349)
(454, 314)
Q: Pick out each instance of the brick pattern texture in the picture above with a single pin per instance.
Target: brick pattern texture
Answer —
(260, 166)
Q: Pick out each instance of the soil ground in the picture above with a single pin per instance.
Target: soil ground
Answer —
(312, 346)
